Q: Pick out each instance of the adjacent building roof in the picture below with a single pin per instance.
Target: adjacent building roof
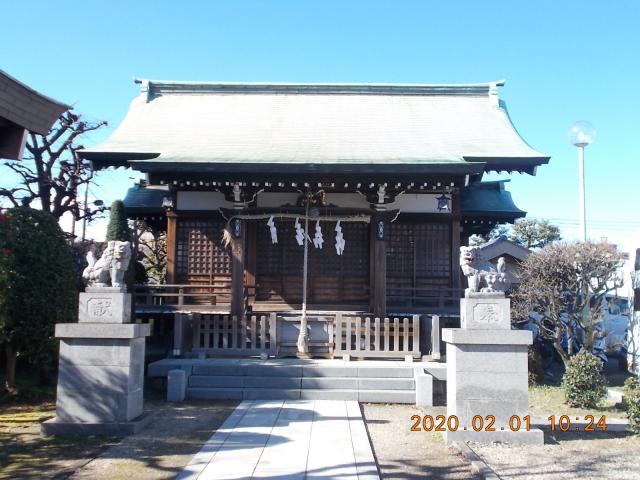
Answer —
(502, 246)
(491, 200)
(452, 128)
(23, 109)
(141, 200)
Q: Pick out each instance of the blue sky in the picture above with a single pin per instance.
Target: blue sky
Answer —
(563, 61)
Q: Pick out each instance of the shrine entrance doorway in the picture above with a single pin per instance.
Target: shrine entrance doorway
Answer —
(332, 279)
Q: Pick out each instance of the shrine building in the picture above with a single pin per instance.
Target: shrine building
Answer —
(387, 179)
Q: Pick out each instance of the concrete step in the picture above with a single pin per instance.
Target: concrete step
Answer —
(274, 371)
(386, 384)
(387, 396)
(327, 383)
(271, 394)
(300, 371)
(322, 394)
(215, 393)
(219, 370)
(313, 372)
(220, 381)
(367, 396)
(385, 372)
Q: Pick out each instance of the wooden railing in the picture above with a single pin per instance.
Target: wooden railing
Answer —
(175, 297)
(395, 337)
(229, 335)
(438, 299)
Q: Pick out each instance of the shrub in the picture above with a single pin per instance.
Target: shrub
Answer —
(37, 287)
(536, 369)
(584, 386)
(632, 402)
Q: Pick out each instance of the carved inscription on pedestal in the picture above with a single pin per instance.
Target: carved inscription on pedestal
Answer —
(100, 308)
(486, 313)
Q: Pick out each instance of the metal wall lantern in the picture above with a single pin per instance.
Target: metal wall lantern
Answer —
(443, 203)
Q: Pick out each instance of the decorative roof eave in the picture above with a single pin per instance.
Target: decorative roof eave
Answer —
(309, 168)
(511, 164)
(27, 108)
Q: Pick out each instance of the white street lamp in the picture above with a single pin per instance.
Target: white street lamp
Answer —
(582, 134)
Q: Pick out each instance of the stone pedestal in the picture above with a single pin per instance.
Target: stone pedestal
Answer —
(487, 373)
(101, 369)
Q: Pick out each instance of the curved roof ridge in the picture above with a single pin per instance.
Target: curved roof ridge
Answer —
(151, 87)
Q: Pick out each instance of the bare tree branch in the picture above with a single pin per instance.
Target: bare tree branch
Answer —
(52, 172)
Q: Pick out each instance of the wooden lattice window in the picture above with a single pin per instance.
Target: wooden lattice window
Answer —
(419, 249)
(200, 250)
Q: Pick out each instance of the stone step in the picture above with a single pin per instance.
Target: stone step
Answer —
(298, 371)
(228, 381)
(386, 384)
(387, 396)
(221, 381)
(367, 396)
(317, 383)
(219, 370)
(385, 372)
(215, 393)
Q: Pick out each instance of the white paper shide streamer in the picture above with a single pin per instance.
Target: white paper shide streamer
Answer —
(300, 234)
(272, 229)
(317, 239)
(339, 239)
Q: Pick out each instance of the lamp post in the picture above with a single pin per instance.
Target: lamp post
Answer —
(581, 134)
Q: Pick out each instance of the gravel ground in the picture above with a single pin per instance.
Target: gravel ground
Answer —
(402, 454)
(585, 455)
(161, 450)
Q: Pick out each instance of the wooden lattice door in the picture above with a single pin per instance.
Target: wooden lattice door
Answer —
(202, 259)
(418, 259)
(333, 279)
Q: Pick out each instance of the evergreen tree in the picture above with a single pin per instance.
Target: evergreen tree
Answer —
(37, 287)
(118, 228)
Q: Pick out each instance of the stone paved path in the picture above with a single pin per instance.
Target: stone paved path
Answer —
(288, 440)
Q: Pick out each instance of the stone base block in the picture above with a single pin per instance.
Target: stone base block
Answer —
(485, 312)
(102, 330)
(176, 385)
(60, 428)
(98, 406)
(534, 436)
(424, 390)
(104, 307)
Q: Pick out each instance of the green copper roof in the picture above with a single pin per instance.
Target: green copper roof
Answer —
(228, 124)
(489, 199)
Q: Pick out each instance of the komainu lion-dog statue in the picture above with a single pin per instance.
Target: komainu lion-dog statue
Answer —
(109, 269)
(477, 269)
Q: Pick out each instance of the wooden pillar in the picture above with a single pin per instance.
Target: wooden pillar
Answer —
(172, 244)
(252, 258)
(378, 266)
(455, 240)
(238, 228)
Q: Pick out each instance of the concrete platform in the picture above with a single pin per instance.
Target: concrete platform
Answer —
(295, 367)
(55, 427)
(371, 381)
(287, 440)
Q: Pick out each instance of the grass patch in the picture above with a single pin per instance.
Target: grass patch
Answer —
(27, 454)
(547, 400)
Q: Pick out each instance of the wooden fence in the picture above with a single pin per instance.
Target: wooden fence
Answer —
(394, 337)
(221, 334)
